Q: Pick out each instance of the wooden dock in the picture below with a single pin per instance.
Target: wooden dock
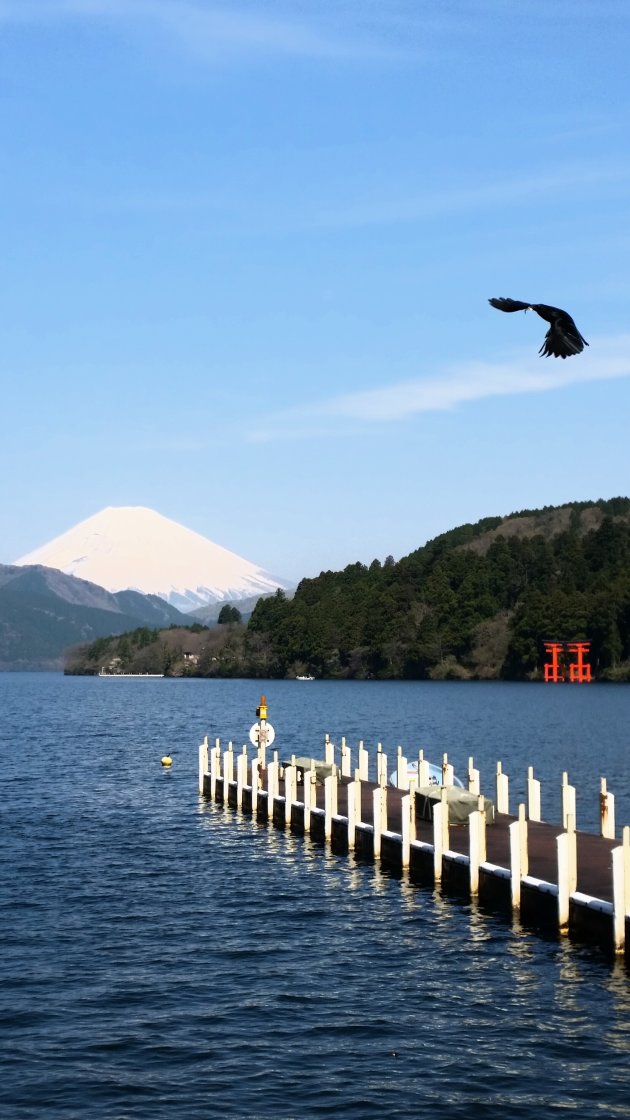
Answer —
(551, 876)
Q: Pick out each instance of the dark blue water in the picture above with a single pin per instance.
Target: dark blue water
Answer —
(163, 958)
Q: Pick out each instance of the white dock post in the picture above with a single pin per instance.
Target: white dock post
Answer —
(203, 762)
(354, 811)
(228, 770)
(568, 801)
(447, 771)
(533, 795)
(519, 859)
(309, 798)
(440, 833)
(364, 762)
(477, 843)
(381, 766)
(276, 771)
(446, 842)
(329, 751)
(562, 845)
(290, 790)
(625, 840)
(405, 828)
(567, 870)
(606, 811)
(572, 834)
(524, 840)
(515, 864)
(402, 778)
(273, 786)
(241, 774)
(473, 778)
(423, 771)
(215, 768)
(346, 759)
(503, 795)
(255, 781)
(330, 803)
(619, 898)
(379, 816)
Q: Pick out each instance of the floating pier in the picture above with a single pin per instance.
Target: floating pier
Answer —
(550, 876)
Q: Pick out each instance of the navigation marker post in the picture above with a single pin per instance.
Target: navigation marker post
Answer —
(262, 734)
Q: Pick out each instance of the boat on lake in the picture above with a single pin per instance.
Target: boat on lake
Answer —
(435, 775)
(305, 677)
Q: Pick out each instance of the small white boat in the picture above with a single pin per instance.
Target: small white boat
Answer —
(305, 678)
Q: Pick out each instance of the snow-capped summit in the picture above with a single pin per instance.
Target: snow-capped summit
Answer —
(130, 547)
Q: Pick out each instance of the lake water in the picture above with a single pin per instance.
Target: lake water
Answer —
(162, 957)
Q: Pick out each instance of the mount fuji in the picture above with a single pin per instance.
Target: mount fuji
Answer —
(133, 548)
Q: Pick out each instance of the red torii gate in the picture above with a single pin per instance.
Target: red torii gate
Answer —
(579, 669)
(553, 671)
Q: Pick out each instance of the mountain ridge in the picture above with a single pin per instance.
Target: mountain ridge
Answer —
(43, 612)
(134, 548)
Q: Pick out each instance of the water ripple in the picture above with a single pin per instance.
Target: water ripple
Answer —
(162, 957)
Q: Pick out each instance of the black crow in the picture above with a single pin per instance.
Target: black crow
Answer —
(562, 339)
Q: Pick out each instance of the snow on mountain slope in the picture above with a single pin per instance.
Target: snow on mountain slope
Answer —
(130, 547)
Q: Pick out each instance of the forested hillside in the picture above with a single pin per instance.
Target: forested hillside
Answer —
(477, 602)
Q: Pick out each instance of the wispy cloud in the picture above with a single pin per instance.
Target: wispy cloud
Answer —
(209, 30)
(567, 179)
(453, 387)
(268, 212)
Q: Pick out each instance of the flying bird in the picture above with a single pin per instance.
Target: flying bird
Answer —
(562, 339)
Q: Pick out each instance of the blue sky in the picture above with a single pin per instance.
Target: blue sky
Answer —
(247, 249)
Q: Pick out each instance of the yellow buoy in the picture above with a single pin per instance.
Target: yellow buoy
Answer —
(167, 760)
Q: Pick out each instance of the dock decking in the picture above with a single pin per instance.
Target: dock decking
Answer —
(552, 876)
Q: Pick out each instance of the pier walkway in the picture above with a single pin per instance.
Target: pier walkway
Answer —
(553, 876)
(593, 852)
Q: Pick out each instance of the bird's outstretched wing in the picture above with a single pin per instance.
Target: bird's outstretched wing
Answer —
(504, 304)
(562, 339)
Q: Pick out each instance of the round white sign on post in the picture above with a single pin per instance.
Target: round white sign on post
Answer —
(256, 738)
